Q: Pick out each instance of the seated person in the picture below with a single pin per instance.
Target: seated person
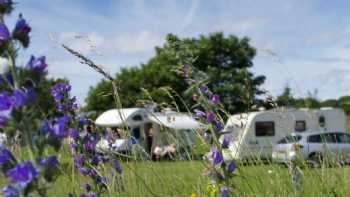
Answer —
(165, 151)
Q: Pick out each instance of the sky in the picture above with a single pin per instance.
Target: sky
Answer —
(302, 43)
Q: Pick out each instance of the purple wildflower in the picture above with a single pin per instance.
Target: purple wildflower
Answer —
(84, 170)
(73, 133)
(6, 156)
(231, 167)
(117, 166)
(204, 89)
(23, 174)
(3, 121)
(21, 31)
(22, 26)
(5, 101)
(210, 117)
(215, 99)
(225, 141)
(91, 194)
(37, 64)
(217, 157)
(89, 146)
(225, 192)
(46, 127)
(79, 161)
(19, 98)
(218, 126)
(31, 95)
(10, 191)
(74, 147)
(70, 194)
(59, 129)
(60, 93)
(199, 113)
(6, 6)
(96, 159)
(4, 34)
(50, 161)
(87, 187)
(217, 175)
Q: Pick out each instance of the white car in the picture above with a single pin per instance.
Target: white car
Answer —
(313, 147)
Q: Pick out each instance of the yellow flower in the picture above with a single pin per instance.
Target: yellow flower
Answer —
(193, 194)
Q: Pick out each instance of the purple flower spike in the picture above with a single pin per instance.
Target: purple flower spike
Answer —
(22, 174)
(3, 121)
(5, 101)
(225, 192)
(59, 129)
(21, 31)
(79, 161)
(73, 133)
(22, 26)
(37, 64)
(210, 117)
(117, 167)
(87, 187)
(19, 98)
(217, 157)
(6, 6)
(10, 191)
(231, 167)
(204, 89)
(6, 156)
(199, 113)
(215, 99)
(225, 141)
(91, 194)
(4, 33)
(84, 170)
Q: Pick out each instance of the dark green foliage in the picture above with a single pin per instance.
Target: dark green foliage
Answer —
(226, 60)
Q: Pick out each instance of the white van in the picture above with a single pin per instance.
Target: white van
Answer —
(253, 135)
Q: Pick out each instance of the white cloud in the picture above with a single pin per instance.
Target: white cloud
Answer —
(143, 41)
(83, 43)
(242, 26)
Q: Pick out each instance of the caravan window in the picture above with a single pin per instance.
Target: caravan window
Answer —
(137, 118)
(266, 128)
(300, 125)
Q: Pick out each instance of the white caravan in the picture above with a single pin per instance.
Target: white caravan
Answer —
(252, 135)
(180, 127)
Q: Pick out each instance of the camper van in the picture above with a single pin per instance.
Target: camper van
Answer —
(252, 135)
(148, 129)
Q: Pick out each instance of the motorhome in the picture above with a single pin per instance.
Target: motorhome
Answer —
(148, 129)
(252, 135)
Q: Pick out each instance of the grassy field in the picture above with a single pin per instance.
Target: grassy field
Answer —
(182, 178)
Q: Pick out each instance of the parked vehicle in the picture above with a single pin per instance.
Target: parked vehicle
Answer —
(313, 147)
(147, 129)
(253, 135)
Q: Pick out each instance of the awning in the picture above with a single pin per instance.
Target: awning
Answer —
(177, 121)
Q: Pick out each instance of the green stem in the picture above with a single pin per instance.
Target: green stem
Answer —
(13, 69)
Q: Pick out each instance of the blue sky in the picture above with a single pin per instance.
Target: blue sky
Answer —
(304, 43)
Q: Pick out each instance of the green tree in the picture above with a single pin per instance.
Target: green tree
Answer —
(344, 103)
(286, 98)
(225, 59)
